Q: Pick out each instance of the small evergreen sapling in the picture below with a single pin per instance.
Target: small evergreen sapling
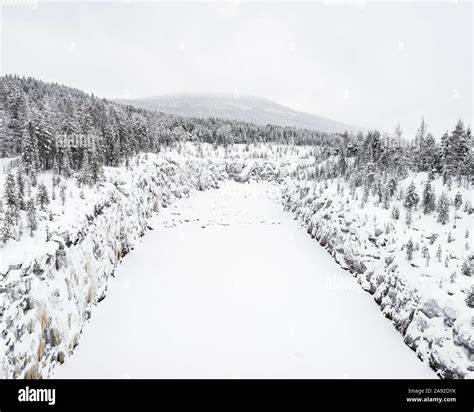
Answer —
(439, 253)
(42, 196)
(443, 209)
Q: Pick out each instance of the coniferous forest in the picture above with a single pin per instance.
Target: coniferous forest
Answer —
(54, 127)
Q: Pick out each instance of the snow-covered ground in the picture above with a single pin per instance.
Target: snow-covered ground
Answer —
(228, 285)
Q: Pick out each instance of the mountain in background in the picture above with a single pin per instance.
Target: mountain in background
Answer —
(251, 109)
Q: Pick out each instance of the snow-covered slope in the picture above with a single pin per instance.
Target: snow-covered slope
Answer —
(49, 283)
(244, 108)
(424, 296)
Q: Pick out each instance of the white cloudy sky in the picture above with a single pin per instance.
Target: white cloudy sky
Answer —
(371, 65)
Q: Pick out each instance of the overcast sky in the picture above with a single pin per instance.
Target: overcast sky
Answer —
(368, 64)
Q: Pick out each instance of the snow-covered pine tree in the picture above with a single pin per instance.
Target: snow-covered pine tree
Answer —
(420, 133)
(84, 176)
(411, 197)
(392, 185)
(428, 157)
(30, 154)
(408, 217)
(31, 216)
(66, 170)
(443, 209)
(41, 127)
(96, 162)
(458, 200)
(439, 253)
(17, 115)
(456, 153)
(342, 162)
(20, 183)
(8, 227)
(398, 134)
(428, 199)
(42, 196)
(20, 228)
(10, 194)
(55, 172)
(12, 213)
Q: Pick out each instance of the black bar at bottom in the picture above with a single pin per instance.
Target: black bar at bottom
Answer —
(369, 394)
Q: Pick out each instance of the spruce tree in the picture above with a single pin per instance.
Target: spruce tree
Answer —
(31, 216)
(20, 182)
(55, 172)
(41, 127)
(428, 153)
(10, 195)
(96, 162)
(428, 198)
(439, 253)
(8, 225)
(411, 198)
(30, 154)
(42, 196)
(408, 218)
(443, 209)
(457, 200)
(392, 185)
(66, 162)
(84, 176)
(456, 152)
(342, 162)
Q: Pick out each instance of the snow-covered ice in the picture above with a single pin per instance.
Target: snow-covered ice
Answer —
(228, 285)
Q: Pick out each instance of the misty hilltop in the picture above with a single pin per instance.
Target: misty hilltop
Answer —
(251, 109)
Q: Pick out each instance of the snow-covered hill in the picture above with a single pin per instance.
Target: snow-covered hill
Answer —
(244, 108)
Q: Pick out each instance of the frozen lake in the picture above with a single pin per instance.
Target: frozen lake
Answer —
(228, 285)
